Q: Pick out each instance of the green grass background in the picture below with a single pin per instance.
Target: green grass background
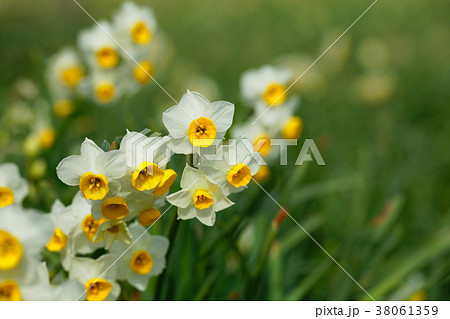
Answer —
(389, 157)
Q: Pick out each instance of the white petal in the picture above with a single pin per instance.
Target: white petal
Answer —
(186, 213)
(90, 150)
(177, 121)
(222, 115)
(181, 198)
(70, 169)
(206, 216)
(194, 104)
(190, 177)
(222, 202)
(138, 281)
(111, 164)
(181, 145)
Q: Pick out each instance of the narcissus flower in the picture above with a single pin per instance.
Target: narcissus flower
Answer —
(144, 259)
(74, 230)
(103, 87)
(23, 234)
(195, 122)
(94, 170)
(13, 188)
(266, 84)
(233, 165)
(199, 197)
(65, 69)
(97, 276)
(146, 159)
(134, 25)
(98, 48)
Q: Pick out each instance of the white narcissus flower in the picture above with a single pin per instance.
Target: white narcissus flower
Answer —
(103, 87)
(146, 159)
(233, 166)
(98, 48)
(74, 230)
(65, 70)
(134, 25)
(144, 259)
(199, 197)
(23, 234)
(98, 277)
(94, 170)
(13, 188)
(267, 84)
(195, 122)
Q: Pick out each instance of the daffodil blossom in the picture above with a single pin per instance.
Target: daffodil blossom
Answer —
(199, 197)
(65, 70)
(97, 276)
(146, 159)
(98, 48)
(233, 165)
(74, 230)
(103, 87)
(144, 259)
(266, 84)
(94, 170)
(196, 122)
(134, 25)
(23, 234)
(13, 188)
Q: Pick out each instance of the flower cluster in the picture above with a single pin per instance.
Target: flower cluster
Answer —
(23, 235)
(111, 59)
(73, 233)
(265, 91)
(132, 182)
(121, 192)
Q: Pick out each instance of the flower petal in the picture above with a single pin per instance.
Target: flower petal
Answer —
(221, 112)
(186, 213)
(70, 169)
(206, 216)
(181, 198)
(111, 164)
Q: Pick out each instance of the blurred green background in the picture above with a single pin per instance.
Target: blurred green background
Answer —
(377, 105)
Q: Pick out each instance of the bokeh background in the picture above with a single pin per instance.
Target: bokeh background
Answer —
(377, 105)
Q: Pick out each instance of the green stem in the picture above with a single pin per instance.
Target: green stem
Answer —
(253, 284)
(162, 279)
